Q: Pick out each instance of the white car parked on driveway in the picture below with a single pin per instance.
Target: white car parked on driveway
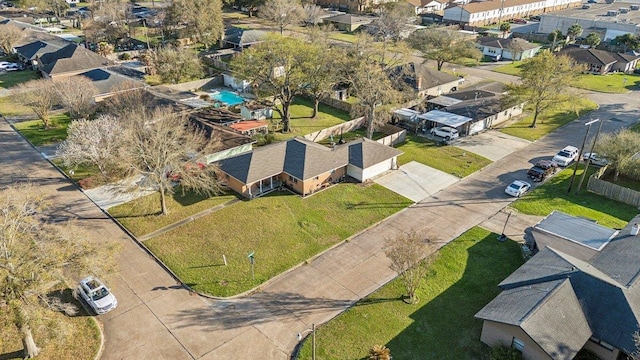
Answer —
(446, 132)
(517, 188)
(96, 295)
(566, 156)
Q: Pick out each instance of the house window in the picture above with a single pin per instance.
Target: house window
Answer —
(517, 344)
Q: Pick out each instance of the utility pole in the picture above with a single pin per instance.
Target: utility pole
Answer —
(586, 165)
(575, 167)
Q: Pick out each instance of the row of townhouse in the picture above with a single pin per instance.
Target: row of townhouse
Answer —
(495, 11)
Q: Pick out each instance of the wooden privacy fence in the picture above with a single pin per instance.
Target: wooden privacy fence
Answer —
(612, 191)
(335, 130)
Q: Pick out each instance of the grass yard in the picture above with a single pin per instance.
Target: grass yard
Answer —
(283, 229)
(460, 282)
(352, 135)
(34, 131)
(548, 121)
(343, 36)
(553, 195)
(301, 122)
(611, 83)
(76, 337)
(9, 108)
(449, 159)
(13, 78)
(141, 217)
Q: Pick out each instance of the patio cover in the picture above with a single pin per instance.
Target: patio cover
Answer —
(445, 118)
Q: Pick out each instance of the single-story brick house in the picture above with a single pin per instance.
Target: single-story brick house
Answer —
(601, 61)
(580, 291)
(305, 166)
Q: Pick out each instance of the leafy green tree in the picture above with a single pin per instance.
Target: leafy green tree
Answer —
(202, 18)
(593, 40)
(443, 46)
(628, 41)
(37, 256)
(554, 37)
(176, 65)
(573, 32)
(545, 82)
(277, 68)
(505, 27)
(322, 72)
(283, 13)
(619, 149)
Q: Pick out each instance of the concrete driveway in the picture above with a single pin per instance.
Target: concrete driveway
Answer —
(416, 181)
(492, 144)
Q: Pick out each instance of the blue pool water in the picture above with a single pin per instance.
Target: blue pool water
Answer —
(227, 97)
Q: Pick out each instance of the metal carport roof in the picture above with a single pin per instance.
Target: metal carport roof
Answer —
(445, 118)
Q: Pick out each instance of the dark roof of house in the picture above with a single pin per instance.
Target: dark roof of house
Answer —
(604, 290)
(227, 137)
(303, 159)
(71, 58)
(430, 78)
(348, 19)
(478, 109)
(470, 94)
(217, 116)
(107, 81)
(588, 56)
(625, 58)
(576, 229)
(40, 47)
(509, 43)
(244, 37)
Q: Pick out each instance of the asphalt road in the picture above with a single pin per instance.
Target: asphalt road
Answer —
(157, 318)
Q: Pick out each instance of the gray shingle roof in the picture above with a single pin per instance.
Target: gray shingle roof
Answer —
(40, 47)
(606, 289)
(349, 19)
(364, 153)
(575, 229)
(244, 37)
(588, 56)
(494, 42)
(107, 81)
(71, 58)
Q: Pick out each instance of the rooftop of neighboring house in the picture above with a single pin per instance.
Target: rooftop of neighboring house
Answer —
(599, 297)
(108, 81)
(244, 37)
(509, 43)
(247, 125)
(418, 75)
(219, 116)
(595, 56)
(71, 58)
(481, 6)
(349, 19)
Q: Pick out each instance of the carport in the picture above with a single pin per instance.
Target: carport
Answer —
(442, 118)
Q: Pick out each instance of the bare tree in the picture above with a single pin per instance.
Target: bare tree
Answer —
(108, 22)
(165, 147)
(176, 65)
(93, 143)
(636, 341)
(282, 12)
(379, 352)
(37, 255)
(619, 149)
(203, 19)
(38, 95)
(9, 36)
(321, 73)
(407, 254)
(312, 14)
(394, 18)
(76, 94)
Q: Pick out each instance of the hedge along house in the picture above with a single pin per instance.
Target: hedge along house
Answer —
(305, 167)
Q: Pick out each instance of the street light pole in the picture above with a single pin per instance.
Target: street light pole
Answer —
(586, 166)
(313, 340)
(575, 167)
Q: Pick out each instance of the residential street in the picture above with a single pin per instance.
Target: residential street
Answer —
(157, 318)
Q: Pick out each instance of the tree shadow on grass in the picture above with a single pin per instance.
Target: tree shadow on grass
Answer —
(18, 354)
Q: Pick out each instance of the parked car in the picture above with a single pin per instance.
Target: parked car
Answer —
(566, 156)
(9, 66)
(518, 21)
(518, 188)
(595, 159)
(446, 132)
(535, 18)
(97, 295)
(542, 169)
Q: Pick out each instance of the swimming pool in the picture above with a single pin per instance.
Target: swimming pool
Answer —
(227, 97)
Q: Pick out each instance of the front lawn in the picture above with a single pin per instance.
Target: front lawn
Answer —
(610, 83)
(13, 78)
(553, 195)
(34, 131)
(9, 108)
(282, 229)
(549, 121)
(343, 36)
(301, 122)
(460, 282)
(141, 216)
(449, 159)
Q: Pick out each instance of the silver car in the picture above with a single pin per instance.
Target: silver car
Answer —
(97, 295)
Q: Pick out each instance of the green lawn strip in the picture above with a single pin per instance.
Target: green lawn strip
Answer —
(352, 135)
(73, 337)
(636, 127)
(449, 159)
(460, 282)
(35, 132)
(302, 123)
(548, 121)
(9, 108)
(141, 217)
(342, 36)
(553, 195)
(283, 229)
(13, 78)
(610, 83)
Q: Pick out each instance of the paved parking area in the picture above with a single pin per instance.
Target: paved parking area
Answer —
(416, 181)
(491, 144)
